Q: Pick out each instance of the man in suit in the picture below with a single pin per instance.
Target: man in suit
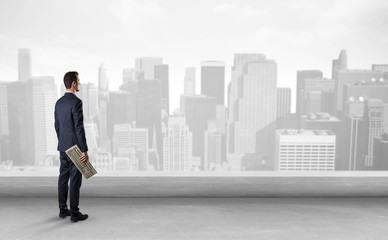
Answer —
(70, 131)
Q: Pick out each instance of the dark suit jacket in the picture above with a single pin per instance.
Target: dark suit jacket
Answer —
(69, 123)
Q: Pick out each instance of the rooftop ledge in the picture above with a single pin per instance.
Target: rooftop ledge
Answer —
(205, 184)
(55, 172)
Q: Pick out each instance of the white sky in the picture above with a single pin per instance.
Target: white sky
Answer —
(297, 34)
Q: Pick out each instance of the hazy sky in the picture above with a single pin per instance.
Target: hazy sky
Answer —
(297, 34)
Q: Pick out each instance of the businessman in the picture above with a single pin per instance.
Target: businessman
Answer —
(70, 131)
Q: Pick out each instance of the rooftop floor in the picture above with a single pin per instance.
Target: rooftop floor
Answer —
(198, 218)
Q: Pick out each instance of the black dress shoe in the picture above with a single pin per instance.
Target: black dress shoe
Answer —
(78, 217)
(64, 214)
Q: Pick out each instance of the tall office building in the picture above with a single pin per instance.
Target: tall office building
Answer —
(177, 145)
(132, 145)
(351, 77)
(213, 80)
(198, 110)
(354, 138)
(356, 130)
(4, 130)
(89, 95)
(283, 102)
(374, 120)
(103, 83)
(221, 119)
(145, 67)
(21, 143)
(161, 74)
(214, 147)
(24, 64)
(308, 150)
(341, 63)
(103, 100)
(149, 114)
(4, 126)
(44, 96)
(121, 109)
(189, 84)
(252, 105)
(301, 76)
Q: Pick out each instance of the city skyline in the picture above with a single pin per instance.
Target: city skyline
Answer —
(199, 94)
(216, 135)
(117, 32)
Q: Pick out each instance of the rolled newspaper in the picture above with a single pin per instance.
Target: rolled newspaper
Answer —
(85, 168)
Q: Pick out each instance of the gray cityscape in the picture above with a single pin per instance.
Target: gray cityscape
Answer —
(220, 93)
(340, 123)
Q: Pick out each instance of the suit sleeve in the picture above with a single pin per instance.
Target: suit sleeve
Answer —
(56, 124)
(78, 118)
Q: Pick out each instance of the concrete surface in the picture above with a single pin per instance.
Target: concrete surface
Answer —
(198, 218)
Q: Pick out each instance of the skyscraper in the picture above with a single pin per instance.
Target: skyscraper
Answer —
(161, 74)
(354, 138)
(283, 102)
(21, 143)
(24, 64)
(4, 126)
(44, 96)
(121, 109)
(252, 105)
(374, 120)
(145, 67)
(189, 84)
(4, 130)
(301, 76)
(213, 80)
(178, 145)
(89, 95)
(341, 63)
(215, 148)
(308, 150)
(103, 99)
(103, 83)
(198, 110)
(149, 114)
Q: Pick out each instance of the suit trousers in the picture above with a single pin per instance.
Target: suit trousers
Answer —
(68, 171)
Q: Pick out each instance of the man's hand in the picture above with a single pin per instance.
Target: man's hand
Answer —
(84, 157)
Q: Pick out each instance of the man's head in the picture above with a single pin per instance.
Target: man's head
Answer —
(71, 81)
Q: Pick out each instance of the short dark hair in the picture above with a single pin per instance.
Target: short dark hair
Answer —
(69, 78)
